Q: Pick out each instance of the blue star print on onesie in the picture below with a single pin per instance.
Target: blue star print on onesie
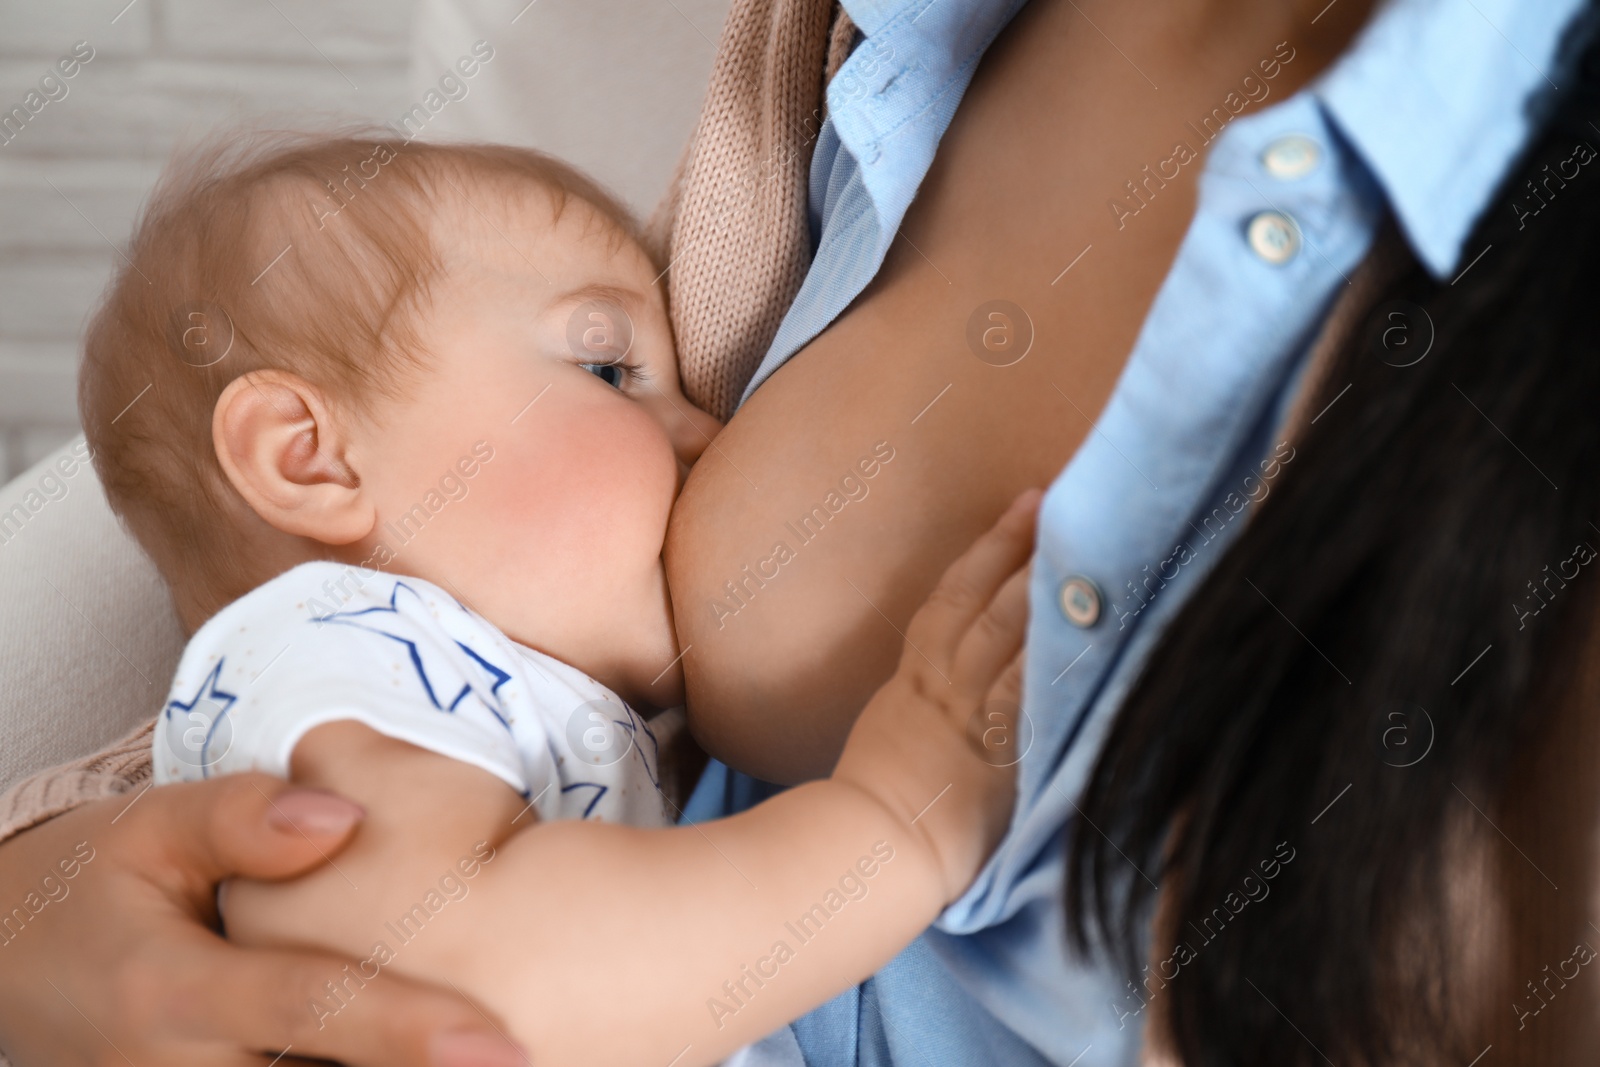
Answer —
(325, 642)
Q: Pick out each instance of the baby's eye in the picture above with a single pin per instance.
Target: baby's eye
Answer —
(610, 373)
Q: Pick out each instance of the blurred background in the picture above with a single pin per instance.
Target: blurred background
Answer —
(611, 85)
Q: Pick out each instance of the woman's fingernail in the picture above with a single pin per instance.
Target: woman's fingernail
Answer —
(474, 1048)
(312, 811)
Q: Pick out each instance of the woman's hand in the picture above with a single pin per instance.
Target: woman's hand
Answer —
(937, 744)
(119, 962)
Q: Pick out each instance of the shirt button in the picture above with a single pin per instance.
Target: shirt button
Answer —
(1080, 601)
(1274, 237)
(1291, 157)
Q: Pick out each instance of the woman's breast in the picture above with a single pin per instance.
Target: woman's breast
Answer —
(971, 368)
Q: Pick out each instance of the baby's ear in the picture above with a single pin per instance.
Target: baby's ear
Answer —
(283, 450)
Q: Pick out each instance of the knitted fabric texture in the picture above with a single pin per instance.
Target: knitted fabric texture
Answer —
(731, 232)
(121, 768)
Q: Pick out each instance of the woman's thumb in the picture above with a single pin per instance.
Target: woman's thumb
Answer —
(238, 825)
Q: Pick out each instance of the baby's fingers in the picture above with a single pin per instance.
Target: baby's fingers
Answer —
(999, 734)
(993, 639)
(970, 583)
(1007, 689)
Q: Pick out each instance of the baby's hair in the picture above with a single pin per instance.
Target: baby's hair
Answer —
(307, 252)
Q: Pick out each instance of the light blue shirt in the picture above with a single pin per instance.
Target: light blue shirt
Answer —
(1420, 118)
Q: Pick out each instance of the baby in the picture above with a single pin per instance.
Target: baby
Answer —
(401, 426)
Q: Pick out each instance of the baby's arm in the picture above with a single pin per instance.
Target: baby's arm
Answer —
(597, 943)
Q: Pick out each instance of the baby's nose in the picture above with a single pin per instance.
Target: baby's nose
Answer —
(692, 434)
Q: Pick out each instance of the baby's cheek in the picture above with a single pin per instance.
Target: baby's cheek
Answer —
(599, 477)
(626, 472)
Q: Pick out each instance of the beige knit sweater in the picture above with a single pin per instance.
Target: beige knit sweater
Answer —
(732, 227)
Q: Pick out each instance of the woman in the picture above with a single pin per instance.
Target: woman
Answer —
(1435, 809)
(1062, 244)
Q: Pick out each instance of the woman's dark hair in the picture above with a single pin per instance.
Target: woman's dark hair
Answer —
(1409, 582)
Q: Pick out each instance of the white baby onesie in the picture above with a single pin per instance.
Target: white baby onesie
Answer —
(326, 642)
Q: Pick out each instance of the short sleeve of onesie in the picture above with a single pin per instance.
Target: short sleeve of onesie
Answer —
(326, 642)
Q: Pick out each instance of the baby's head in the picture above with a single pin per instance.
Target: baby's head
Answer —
(452, 362)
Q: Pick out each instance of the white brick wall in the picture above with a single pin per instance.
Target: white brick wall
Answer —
(611, 86)
(163, 70)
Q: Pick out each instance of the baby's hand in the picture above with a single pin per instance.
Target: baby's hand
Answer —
(937, 745)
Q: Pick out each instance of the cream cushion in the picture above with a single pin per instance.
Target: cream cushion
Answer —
(88, 640)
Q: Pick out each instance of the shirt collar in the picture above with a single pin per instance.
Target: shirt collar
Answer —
(1436, 95)
(870, 16)
(894, 97)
